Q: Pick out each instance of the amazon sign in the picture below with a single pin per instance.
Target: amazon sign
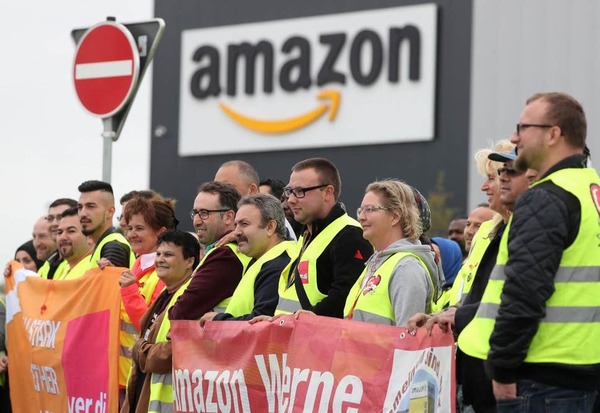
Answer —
(344, 79)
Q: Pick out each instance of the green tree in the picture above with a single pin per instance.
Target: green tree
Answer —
(441, 213)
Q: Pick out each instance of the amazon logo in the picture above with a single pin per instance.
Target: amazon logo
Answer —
(294, 72)
(318, 75)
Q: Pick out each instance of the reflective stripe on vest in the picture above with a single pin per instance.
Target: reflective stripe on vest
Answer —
(569, 332)
(128, 332)
(242, 300)
(115, 236)
(161, 385)
(307, 268)
(372, 302)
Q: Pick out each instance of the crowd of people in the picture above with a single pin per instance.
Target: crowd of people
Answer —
(515, 281)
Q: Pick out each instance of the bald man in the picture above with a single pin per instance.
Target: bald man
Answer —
(45, 247)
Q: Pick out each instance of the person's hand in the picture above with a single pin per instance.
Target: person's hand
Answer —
(416, 321)
(207, 317)
(260, 318)
(126, 278)
(103, 263)
(226, 239)
(3, 364)
(504, 390)
(444, 319)
(297, 313)
(7, 270)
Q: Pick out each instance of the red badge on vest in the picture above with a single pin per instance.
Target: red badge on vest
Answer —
(303, 271)
(358, 255)
(595, 191)
(371, 285)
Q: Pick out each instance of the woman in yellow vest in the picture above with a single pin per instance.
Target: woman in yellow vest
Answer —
(146, 220)
(401, 277)
(149, 388)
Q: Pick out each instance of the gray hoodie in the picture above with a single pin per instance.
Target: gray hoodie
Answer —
(410, 286)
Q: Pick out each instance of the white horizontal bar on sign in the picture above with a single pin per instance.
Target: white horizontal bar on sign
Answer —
(103, 69)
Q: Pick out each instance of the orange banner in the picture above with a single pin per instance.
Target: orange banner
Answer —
(63, 342)
(314, 364)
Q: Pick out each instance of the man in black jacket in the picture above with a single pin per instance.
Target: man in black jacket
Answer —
(333, 251)
(543, 350)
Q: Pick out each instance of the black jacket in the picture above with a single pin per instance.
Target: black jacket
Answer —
(545, 223)
(340, 264)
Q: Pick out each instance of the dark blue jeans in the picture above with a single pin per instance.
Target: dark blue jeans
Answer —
(535, 397)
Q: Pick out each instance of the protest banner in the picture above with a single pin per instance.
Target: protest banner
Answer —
(63, 342)
(310, 364)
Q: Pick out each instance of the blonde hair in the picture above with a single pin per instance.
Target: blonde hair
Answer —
(399, 197)
(486, 166)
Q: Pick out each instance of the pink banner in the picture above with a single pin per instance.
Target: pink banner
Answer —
(314, 364)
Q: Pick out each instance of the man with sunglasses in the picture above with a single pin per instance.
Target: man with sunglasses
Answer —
(222, 267)
(537, 323)
(332, 249)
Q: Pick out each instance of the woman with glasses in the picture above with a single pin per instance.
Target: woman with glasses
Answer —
(401, 277)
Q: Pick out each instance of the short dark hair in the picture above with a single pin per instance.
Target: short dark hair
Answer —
(144, 193)
(326, 170)
(276, 186)
(567, 113)
(71, 212)
(157, 212)
(90, 186)
(64, 201)
(482, 205)
(188, 243)
(228, 195)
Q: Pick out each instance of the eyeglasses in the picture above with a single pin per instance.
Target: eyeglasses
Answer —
(369, 209)
(205, 213)
(522, 126)
(300, 192)
(509, 171)
(51, 218)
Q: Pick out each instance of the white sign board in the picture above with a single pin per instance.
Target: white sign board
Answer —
(355, 78)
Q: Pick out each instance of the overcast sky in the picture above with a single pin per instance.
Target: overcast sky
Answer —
(49, 143)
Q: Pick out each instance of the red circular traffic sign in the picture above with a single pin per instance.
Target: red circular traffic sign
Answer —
(106, 68)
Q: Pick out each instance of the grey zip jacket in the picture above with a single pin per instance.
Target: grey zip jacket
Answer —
(411, 287)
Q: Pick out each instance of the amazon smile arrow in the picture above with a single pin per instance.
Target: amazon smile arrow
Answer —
(331, 104)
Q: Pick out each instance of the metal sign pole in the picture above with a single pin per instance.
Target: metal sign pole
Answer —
(108, 137)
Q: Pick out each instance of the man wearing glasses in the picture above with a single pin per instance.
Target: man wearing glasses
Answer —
(55, 210)
(221, 268)
(333, 250)
(537, 324)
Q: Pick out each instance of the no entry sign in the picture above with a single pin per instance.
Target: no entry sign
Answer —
(106, 68)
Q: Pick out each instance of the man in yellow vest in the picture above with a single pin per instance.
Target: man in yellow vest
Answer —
(221, 268)
(56, 208)
(74, 247)
(333, 250)
(477, 216)
(261, 234)
(45, 246)
(96, 210)
(537, 322)
(245, 179)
